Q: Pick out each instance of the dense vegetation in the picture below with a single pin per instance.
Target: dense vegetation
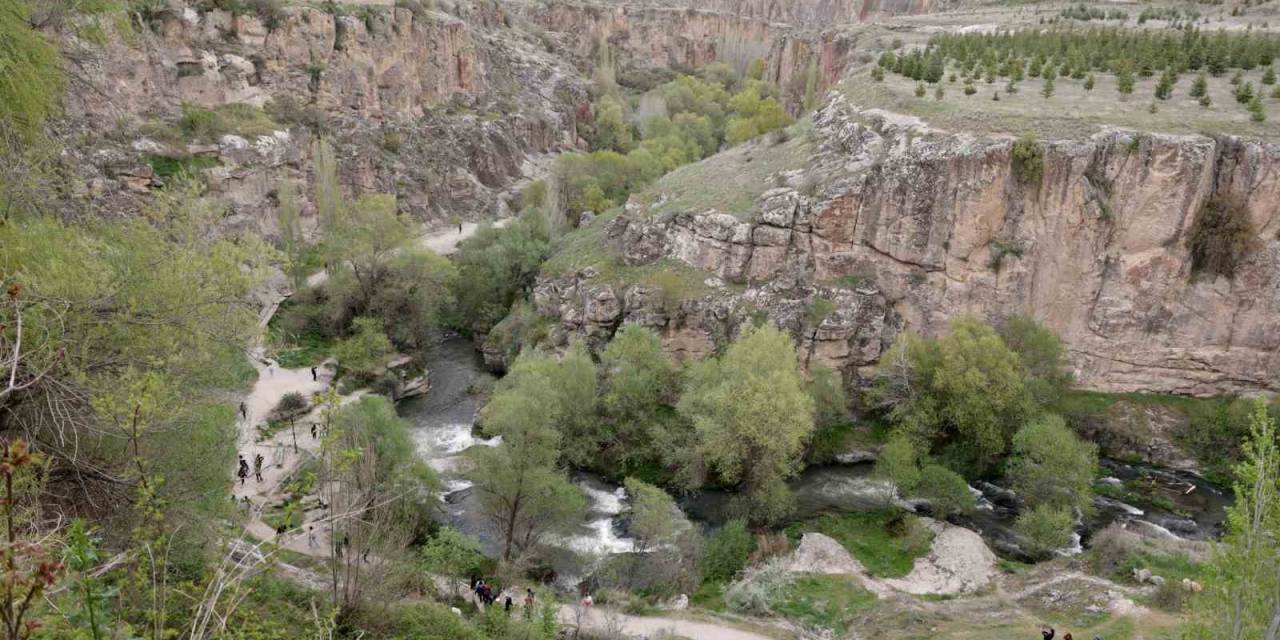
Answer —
(636, 140)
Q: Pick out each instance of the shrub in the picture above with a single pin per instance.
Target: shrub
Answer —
(291, 403)
(945, 490)
(727, 552)
(1220, 237)
(1028, 161)
(1051, 466)
(1045, 529)
(756, 592)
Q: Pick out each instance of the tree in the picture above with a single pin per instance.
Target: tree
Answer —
(31, 89)
(964, 393)
(945, 490)
(366, 353)
(1045, 528)
(328, 194)
(1256, 113)
(522, 491)
(1047, 90)
(728, 551)
(1124, 81)
(495, 267)
(1089, 82)
(361, 244)
(1049, 465)
(291, 241)
(830, 403)
(1241, 598)
(1164, 87)
(899, 462)
(1269, 75)
(752, 417)
(610, 127)
(1043, 357)
(566, 387)
(453, 554)
(639, 382)
(1199, 86)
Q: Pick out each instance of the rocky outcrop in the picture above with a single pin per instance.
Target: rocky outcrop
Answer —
(822, 555)
(958, 562)
(445, 110)
(907, 228)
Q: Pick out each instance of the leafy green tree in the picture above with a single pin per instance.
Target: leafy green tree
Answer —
(495, 267)
(1124, 81)
(1048, 88)
(453, 554)
(752, 417)
(1164, 87)
(610, 127)
(1241, 598)
(566, 387)
(945, 490)
(291, 241)
(728, 551)
(1049, 465)
(522, 492)
(1269, 75)
(1043, 357)
(640, 383)
(366, 353)
(1256, 112)
(830, 403)
(1045, 528)
(899, 462)
(964, 393)
(328, 193)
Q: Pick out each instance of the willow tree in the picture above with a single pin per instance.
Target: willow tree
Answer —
(753, 418)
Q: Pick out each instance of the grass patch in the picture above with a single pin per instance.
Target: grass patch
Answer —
(709, 596)
(824, 602)
(296, 350)
(170, 166)
(887, 543)
(862, 434)
(730, 181)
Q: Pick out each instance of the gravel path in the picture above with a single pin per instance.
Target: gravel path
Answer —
(648, 627)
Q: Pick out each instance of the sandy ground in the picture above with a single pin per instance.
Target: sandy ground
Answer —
(603, 619)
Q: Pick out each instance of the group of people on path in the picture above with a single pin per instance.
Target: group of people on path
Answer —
(243, 471)
(486, 596)
(1048, 633)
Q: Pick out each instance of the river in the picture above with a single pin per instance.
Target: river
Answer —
(1165, 502)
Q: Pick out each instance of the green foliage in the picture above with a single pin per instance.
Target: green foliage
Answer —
(885, 542)
(566, 390)
(1045, 528)
(32, 81)
(209, 125)
(964, 393)
(1051, 466)
(945, 490)
(1027, 159)
(495, 268)
(830, 403)
(521, 489)
(453, 554)
(728, 550)
(640, 383)
(1220, 236)
(653, 514)
(1242, 590)
(1044, 358)
(1199, 86)
(752, 417)
(831, 603)
(366, 353)
(899, 462)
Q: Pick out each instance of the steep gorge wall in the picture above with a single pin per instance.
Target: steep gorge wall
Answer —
(908, 229)
(443, 110)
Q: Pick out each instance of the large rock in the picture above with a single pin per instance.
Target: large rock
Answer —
(821, 554)
(958, 562)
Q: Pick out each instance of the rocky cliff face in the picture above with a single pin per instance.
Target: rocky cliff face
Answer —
(443, 109)
(645, 37)
(902, 228)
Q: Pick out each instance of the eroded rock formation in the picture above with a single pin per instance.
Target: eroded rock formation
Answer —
(908, 228)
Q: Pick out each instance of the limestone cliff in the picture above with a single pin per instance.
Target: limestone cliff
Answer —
(901, 227)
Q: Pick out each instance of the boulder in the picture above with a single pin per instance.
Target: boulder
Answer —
(821, 554)
(958, 562)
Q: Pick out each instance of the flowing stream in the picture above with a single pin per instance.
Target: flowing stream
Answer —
(1163, 501)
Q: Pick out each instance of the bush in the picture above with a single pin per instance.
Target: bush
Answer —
(1045, 529)
(1051, 466)
(1221, 236)
(1028, 162)
(727, 552)
(290, 404)
(945, 490)
(759, 588)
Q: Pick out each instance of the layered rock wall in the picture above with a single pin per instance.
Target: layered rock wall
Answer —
(911, 228)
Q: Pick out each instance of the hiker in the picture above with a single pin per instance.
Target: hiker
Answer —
(311, 536)
(1066, 637)
(588, 601)
(528, 598)
(243, 472)
(313, 431)
(244, 411)
(1047, 632)
(313, 374)
(506, 605)
(257, 467)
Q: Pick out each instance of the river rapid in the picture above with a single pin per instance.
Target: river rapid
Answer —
(1163, 501)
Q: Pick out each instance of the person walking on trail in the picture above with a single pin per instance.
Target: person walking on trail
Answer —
(243, 472)
(314, 378)
(313, 431)
(244, 410)
(506, 605)
(587, 602)
(311, 536)
(257, 467)
(1047, 632)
